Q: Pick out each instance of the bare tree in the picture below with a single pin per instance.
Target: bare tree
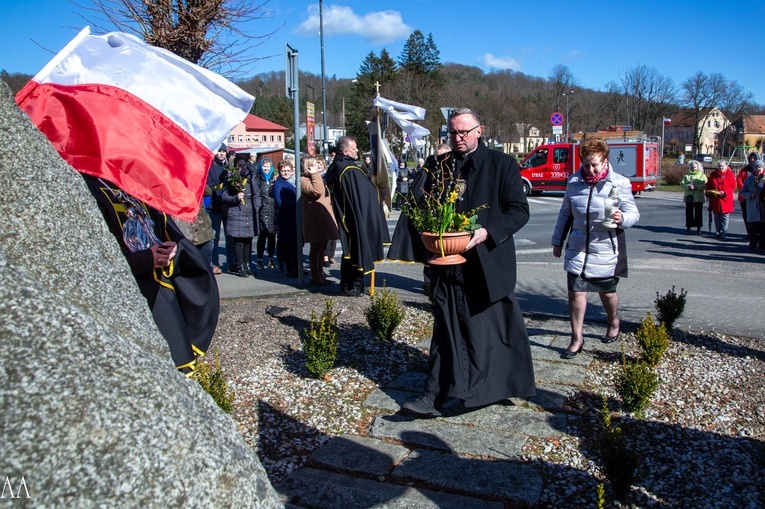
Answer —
(649, 95)
(701, 93)
(211, 33)
(562, 80)
(734, 103)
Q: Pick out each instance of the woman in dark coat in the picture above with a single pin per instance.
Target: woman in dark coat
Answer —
(241, 199)
(264, 176)
(285, 197)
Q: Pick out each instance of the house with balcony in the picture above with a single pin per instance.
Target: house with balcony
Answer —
(712, 127)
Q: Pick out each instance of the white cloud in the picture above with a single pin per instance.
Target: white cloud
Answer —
(503, 63)
(377, 27)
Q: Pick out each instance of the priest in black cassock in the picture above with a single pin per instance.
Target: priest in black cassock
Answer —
(360, 217)
(480, 351)
(171, 272)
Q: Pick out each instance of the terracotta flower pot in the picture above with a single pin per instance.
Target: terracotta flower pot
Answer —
(449, 252)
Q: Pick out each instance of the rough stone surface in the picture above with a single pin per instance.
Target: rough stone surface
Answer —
(505, 480)
(458, 438)
(359, 454)
(314, 488)
(93, 412)
(513, 419)
(559, 373)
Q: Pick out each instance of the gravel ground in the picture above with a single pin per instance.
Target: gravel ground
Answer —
(701, 442)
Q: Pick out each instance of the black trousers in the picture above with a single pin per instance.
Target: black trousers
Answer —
(693, 217)
(242, 251)
(263, 239)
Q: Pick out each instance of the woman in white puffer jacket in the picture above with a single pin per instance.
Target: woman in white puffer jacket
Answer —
(595, 255)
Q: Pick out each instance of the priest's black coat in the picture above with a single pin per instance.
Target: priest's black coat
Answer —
(480, 349)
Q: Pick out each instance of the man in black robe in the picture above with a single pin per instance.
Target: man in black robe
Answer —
(480, 350)
(359, 215)
(172, 274)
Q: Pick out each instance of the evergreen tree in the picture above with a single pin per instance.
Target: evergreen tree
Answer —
(414, 54)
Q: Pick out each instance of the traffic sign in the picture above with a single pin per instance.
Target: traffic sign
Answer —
(557, 129)
(556, 118)
(446, 112)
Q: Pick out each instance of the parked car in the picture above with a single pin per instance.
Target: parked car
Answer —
(703, 158)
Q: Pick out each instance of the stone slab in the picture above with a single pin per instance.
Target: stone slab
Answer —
(308, 487)
(448, 436)
(547, 348)
(509, 481)
(348, 453)
(412, 381)
(550, 397)
(387, 399)
(512, 419)
(564, 373)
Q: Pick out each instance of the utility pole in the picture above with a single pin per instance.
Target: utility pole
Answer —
(323, 88)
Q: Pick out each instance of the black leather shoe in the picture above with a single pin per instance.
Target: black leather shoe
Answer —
(610, 339)
(421, 407)
(570, 354)
(350, 293)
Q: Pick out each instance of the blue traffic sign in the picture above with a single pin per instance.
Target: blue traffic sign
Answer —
(556, 118)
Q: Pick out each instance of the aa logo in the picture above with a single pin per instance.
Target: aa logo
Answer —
(8, 488)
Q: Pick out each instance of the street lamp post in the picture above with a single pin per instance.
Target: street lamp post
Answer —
(571, 92)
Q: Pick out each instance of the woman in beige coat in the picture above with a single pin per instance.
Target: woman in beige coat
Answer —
(319, 226)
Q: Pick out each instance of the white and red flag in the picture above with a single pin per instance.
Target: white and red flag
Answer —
(667, 121)
(139, 116)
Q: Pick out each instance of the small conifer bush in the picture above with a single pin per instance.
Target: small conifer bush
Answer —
(320, 343)
(670, 307)
(653, 339)
(210, 377)
(385, 313)
(619, 461)
(635, 384)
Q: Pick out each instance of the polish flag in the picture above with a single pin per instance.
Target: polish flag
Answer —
(139, 116)
(667, 121)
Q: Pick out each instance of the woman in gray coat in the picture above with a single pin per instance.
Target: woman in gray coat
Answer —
(595, 254)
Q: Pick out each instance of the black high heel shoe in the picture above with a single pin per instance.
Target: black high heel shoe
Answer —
(570, 354)
(610, 339)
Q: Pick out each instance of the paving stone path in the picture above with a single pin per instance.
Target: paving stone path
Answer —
(460, 460)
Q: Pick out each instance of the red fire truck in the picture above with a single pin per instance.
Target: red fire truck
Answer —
(549, 166)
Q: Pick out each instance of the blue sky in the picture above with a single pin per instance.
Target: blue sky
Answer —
(596, 40)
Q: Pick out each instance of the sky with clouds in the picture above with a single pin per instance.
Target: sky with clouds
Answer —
(596, 40)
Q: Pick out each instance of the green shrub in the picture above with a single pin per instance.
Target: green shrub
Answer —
(385, 313)
(653, 339)
(211, 378)
(320, 343)
(670, 307)
(619, 461)
(636, 383)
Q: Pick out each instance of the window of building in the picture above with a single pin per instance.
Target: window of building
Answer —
(256, 138)
(231, 138)
(240, 137)
(279, 138)
(272, 137)
(247, 138)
